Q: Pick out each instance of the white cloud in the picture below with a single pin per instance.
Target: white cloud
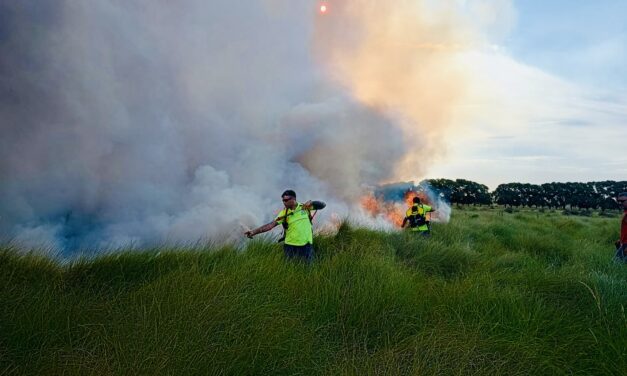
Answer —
(522, 124)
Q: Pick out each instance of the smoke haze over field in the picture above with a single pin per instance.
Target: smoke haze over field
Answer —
(133, 122)
(149, 121)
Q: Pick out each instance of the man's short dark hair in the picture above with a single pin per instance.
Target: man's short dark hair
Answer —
(416, 200)
(289, 193)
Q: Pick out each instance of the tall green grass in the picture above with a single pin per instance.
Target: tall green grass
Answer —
(489, 293)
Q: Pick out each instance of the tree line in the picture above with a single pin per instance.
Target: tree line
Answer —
(591, 195)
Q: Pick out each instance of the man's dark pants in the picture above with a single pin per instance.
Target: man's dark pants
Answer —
(620, 253)
(303, 252)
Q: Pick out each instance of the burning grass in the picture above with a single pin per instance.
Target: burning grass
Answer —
(394, 211)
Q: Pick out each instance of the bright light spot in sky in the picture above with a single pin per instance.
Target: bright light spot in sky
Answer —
(323, 8)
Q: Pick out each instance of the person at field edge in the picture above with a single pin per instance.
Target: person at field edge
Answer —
(296, 220)
(621, 244)
(416, 217)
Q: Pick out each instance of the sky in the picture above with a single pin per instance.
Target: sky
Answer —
(560, 112)
(142, 122)
(581, 41)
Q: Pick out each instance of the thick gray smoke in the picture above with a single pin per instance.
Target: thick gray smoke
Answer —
(139, 122)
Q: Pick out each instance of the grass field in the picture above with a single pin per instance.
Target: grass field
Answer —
(490, 293)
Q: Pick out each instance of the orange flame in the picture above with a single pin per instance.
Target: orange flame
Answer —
(393, 212)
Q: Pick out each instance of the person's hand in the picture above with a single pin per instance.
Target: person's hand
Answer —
(307, 205)
(249, 234)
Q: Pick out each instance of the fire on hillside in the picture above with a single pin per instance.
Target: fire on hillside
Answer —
(393, 211)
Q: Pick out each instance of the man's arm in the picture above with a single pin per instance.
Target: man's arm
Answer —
(267, 227)
(314, 205)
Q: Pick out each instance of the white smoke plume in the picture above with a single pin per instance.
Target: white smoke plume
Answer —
(139, 122)
(410, 57)
(442, 207)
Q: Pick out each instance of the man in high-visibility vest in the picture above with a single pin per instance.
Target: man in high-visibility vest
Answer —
(296, 220)
(621, 244)
(416, 217)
